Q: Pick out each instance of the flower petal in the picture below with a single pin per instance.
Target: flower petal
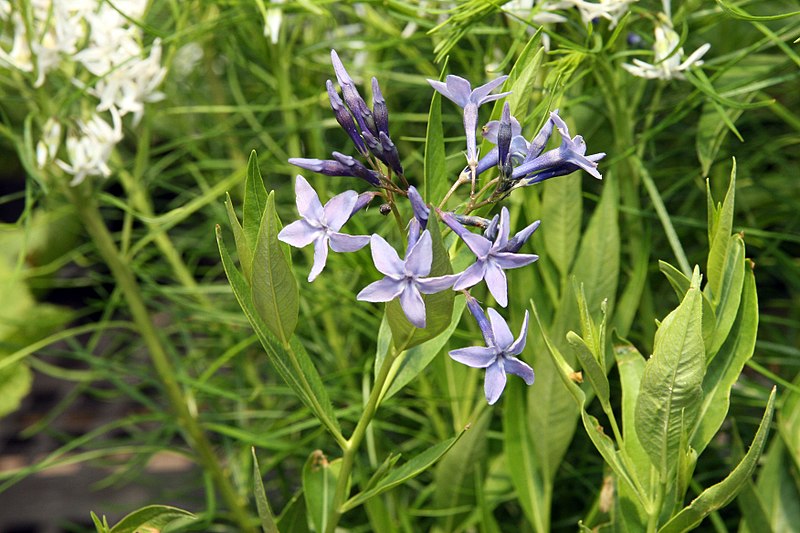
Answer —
(320, 257)
(503, 229)
(480, 94)
(338, 209)
(299, 233)
(518, 345)
(517, 367)
(413, 305)
(496, 281)
(420, 256)
(502, 334)
(479, 245)
(458, 88)
(474, 356)
(385, 257)
(383, 290)
(508, 260)
(494, 382)
(341, 242)
(437, 284)
(471, 276)
(307, 200)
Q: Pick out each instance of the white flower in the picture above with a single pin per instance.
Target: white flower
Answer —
(47, 147)
(90, 150)
(272, 22)
(611, 10)
(667, 56)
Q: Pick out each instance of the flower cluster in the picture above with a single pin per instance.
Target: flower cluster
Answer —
(98, 48)
(519, 163)
(668, 57)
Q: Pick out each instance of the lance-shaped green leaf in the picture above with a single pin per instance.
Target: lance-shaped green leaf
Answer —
(719, 495)
(680, 284)
(243, 248)
(719, 239)
(562, 207)
(294, 517)
(671, 388)
(151, 518)
(274, 288)
(292, 363)
(400, 475)
(438, 307)
(255, 200)
(268, 524)
(319, 487)
(435, 168)
(591, 368)
(724, 370)
(730, 294)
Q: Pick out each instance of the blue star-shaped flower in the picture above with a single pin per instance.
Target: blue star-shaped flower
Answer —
(321, 225)
(498, 357)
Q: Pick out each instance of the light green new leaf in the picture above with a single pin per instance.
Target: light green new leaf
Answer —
(435, 167)
(438, 307)
(719, 495)
(671, 387)
(680, 284)
(724, 370)
(15, 383)
(591, 368)
(274, 289)
(719, 240)
(243, 248)
(293, 364)
(319, 487)
(407, 471)
(730, 294)
(255, 200)
(268, 524)
(522, 78)
(151, 518)
(562, 208)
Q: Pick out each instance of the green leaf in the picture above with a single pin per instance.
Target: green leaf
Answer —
(523, 467)
(776, 493)
(724, 370)
(435, 167)
(591, 368)
(152, 518)
(255, 200)
(730, 294)
(680, 284)
(678, 280)
(15, 384)
(416, 359)
(268, 524)
(274, 289)
(100, 525)
(294, 518)
(319, 487)
(562, 208)
(739, 13)
(293, 364)
(407, 471)
(597, 264)
(671, 388)
(243, 248)
(712, 129)
(438, 307)
(719, 242)
(523, 76)
(719, 495)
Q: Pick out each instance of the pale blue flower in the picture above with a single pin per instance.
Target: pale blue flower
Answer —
(321, 225)
(498, 357)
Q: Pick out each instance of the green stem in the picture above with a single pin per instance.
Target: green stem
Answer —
(126, 280)
(352, 445)
(655, 511)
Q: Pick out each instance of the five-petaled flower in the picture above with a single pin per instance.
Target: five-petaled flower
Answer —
(492, 256)
(321, 225)
(405, 277)
(498, 357)
(459, 91)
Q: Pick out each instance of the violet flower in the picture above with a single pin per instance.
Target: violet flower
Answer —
(321, 225)
(459, 91)
(405, 278)
(341, 165)
(498, 357)
(492, 256)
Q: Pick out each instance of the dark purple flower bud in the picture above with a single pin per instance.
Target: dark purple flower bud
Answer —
(449, 219)
(515, 243)
(385, 209)
(414, 231)
(540, 141)
(373, 144)
(504, 141)
(344, 118)
(483, 323)
(491, 230)
(357, 169)
(351, 96)
(379, 111)
(421, 211)
(333, 168)
(391, 157)
(363, 201)
(561, 170)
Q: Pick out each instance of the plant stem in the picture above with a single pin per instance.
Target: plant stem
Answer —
(353, 444)
(126, 280)
(655, 511)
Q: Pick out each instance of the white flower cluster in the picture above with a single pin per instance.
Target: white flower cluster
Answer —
(99, 47)
(668, 58)
(544, 11)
